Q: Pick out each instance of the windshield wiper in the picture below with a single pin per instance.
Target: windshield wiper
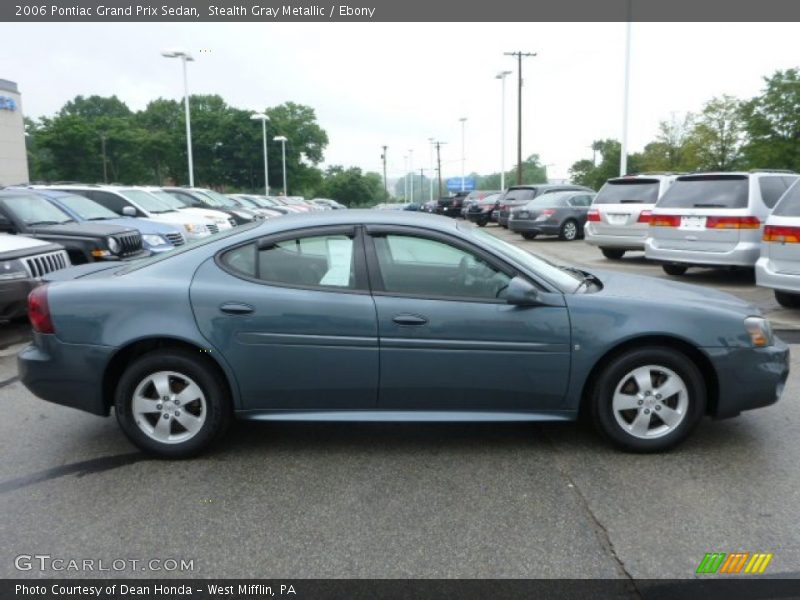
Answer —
(99, 218)
(586, 277)
(709, 205)
(631, 201)
(47, 222)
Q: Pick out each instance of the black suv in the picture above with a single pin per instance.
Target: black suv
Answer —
(450, 206)
(517, 195)
(26, 212)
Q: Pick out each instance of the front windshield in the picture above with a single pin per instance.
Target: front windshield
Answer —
(168, 199)
(217, 199)
(86, 209)
(489, 199)
(33, 210)
(290, 200)
(146, 201)
(565, 280)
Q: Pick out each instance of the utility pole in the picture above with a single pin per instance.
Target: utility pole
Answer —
(519, 55)
(439, 164)
(623, 155)
(421, 185)
(411, 172)
(385, 183)
(105, 161)
(430, 147)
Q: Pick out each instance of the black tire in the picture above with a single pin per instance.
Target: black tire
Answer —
(612, 253)
(483, 223)
(787, 300)
(529, 235)
(218, 403)
(673, 269)
(570, 230)
(615, 372)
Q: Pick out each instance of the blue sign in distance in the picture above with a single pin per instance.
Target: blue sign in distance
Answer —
(7, 103)
(454, 184)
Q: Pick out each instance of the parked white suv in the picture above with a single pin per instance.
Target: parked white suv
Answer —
(713, 219)
(620, 214)
(779, 265)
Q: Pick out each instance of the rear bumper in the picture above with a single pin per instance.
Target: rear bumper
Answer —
(531, 226)
(744, 254)
(66, 374)
(635, 241)
(767, 277)
(14, 298)
(748, 378)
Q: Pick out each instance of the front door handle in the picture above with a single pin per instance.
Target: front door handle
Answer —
(410, 320)
(236, 308)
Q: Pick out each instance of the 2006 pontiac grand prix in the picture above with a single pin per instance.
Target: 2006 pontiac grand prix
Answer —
(389, 316)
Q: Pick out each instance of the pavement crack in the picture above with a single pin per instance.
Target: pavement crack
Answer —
(9, 381)
(79, 469)
(600, 530)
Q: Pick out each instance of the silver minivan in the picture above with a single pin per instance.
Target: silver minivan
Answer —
(713, 219)
(620, 214)
(779, 265)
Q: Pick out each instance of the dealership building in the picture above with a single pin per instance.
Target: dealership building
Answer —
(13, 156)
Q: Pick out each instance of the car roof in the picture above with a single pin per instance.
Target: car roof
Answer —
(564, 186)
(361, 216)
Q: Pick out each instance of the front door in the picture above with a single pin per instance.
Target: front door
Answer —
(294, 319)
(448, 339)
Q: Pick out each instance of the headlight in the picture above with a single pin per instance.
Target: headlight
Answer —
(113, 245)
(232, 222)
(759, 330)
(195, 228)
(12, 269)
(153, 239)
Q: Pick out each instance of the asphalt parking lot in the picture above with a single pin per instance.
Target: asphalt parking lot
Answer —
(405, 500)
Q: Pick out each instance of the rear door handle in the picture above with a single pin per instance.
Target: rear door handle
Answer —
(236, 308)
(410, 320)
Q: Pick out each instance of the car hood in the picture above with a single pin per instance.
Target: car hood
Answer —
(143, 225)
(208, 213)
(81, 229)
(10, 242)
(652, 288)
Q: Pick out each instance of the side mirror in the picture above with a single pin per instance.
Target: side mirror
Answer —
(6, 226)
(522, 293)
(128, 211)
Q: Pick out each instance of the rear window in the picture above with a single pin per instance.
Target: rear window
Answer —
(707, 191)
(623, 191)
(520, 194)
(772, 188)
(555, 200)
(789, 206)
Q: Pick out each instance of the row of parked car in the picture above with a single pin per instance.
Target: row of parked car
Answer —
(45, 228)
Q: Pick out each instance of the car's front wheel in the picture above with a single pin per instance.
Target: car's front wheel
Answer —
(612, 253)
(168, 402)
(569, 230)
(529, 235)
(787, 300)
(673, 269)
(648, 399)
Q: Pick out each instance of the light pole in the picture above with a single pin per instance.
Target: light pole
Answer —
(282, 139)
(519, 56)
(411, 170)
(430, 187)
(463, 156)
(502, 77)
(263, 118)
(185, 58)
(405, 178)
(623, 155)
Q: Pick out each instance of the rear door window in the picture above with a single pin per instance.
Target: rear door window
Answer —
(772, 188)
(707, 191)
(519, 195)
(789, 206)
(624, 191)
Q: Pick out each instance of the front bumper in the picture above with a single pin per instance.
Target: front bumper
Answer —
(14, 298)
(767, 277)
(66, 374)
(531, 226)
(744, 254)
(622, 242)
(748, 378)
(480, 217)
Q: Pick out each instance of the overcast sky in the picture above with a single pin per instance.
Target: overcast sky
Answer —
(400, 84)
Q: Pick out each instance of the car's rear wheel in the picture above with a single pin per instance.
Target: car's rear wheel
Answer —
(787, 300)
(648, 399)
(569, 230)
(673, 269)
(168, 402)
(529, 235)
(612, 253)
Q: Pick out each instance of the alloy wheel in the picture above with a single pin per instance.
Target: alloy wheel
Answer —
(169, 407)
(650, 401)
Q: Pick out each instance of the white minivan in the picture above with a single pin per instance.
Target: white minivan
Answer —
(713, 219)
(620, 214)
(779, 265)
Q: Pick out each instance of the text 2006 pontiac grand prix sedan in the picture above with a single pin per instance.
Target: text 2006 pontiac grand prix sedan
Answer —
(390, 316)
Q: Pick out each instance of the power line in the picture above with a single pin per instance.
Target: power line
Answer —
(519, 55)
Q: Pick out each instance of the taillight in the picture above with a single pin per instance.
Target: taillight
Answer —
(593, 216)
(664, 220)
(547, 212)
(785, 235)
(39, 311)
(732, 223)
(645, 216)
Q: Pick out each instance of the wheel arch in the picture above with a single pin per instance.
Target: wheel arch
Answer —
(124, 355)
(692, 352)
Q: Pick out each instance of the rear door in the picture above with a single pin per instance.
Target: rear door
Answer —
(448, 339)
(782, 234)
(620, 203)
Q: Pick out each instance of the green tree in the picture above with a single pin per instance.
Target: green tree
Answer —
(673, 149)
(718, 134)
(771, 123)
(594, 175)
(351, 187)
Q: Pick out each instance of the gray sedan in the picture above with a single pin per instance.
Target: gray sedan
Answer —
(560, 213)
(389, 316)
